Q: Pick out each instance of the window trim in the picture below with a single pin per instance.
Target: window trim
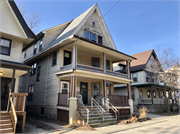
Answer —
(34, 70)
(92, 61)
(40, 48)
(9, 46)
(93, 88)
(68, 89)
(136, 77)
(35, 49)
(38, 73)
(54, 58)
(29, 94)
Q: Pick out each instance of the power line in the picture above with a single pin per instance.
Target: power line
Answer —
(111, 8)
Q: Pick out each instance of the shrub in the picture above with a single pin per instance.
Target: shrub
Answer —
(143, 111)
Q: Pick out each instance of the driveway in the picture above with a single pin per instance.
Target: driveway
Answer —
(158, 125)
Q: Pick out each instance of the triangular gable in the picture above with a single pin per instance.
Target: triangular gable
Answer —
(12, 22)
(78, 22)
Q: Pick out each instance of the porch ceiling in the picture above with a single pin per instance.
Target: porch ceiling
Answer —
(93, 75)
(9, 72)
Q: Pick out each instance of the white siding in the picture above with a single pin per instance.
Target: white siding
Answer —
(15, 53)
(96, 30)
(8, 23)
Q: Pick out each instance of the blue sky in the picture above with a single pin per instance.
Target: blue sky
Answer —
(135, 26)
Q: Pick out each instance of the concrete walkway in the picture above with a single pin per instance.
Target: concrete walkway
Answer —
(158, 124)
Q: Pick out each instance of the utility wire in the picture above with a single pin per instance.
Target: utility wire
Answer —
(109, 10)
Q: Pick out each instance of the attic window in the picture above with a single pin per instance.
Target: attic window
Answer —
(93, 24)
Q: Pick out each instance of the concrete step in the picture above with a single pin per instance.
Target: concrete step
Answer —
(4, 117)
(6, 130)
(5, 121)
(99, 117)
(2, 126)
(93, 112)
(95, 115)
(103, 124)
(101, 121)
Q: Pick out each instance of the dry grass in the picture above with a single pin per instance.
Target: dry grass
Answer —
(143, 111)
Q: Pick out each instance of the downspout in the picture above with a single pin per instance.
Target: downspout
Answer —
(47, 71)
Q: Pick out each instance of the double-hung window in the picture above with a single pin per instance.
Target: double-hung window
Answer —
(33, 71)
(87, 35)
(5, 46)
(149, 94)
(93, 37)
(54, 58)
(35, 48)
(40, 45)
(30, 93)
(95, 87)
(38, 73)
(95, 62)
(99, 40)
(140, 93)
(134, 75)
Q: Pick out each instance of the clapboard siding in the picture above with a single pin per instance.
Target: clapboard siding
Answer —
(47, 39)
(8, 23)
(43, 95)
(15, 53)
(96, 30)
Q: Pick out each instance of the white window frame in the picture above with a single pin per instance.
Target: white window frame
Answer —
(66, 82)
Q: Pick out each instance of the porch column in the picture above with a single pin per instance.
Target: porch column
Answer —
(152, 95)
(159, 93)
(130, 98)
(74, 56)
(26, 90)
(73, 86)
(104, 62)
(128, 69)
(12, 81)
(104, 89)
(73, 102)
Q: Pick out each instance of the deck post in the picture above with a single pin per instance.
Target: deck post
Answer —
(130, 98)
(74, 56)
(104, 88)
(104, 62)
(152, 95)
(72, 110)
(159, 93)
(12, 81)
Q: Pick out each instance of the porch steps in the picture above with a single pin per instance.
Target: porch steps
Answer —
(5, 123)
(96, 117)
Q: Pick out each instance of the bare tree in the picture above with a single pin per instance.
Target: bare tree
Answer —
(32, 17)
(165, 71)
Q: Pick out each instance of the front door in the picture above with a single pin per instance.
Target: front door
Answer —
(84, 92)
(5, 86)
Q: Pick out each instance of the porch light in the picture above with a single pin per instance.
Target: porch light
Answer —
(1, 73)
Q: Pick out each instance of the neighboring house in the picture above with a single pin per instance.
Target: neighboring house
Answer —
(71, 59)
(14, 36)
(146, 89)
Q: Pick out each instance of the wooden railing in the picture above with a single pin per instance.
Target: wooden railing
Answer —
(13, 115)
(118, 100)
(90, 68)
(116, 74)
(18, 108)
(19, 101)
(63, 99)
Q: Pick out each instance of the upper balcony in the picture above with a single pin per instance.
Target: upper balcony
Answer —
(86, 56)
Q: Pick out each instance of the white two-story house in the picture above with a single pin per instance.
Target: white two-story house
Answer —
(71, 59)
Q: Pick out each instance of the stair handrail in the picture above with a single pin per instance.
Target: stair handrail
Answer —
(13, 115)
(112, 107)
(82, 104)
(93, 101)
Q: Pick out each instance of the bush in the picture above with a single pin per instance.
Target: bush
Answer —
(143, 111)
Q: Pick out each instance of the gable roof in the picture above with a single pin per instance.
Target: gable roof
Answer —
(21, 20)
(140, 63)
(75, 24)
